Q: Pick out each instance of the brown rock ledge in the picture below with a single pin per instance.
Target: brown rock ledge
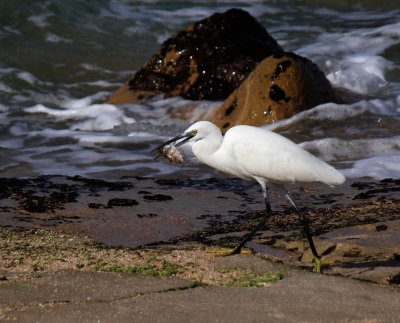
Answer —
(278, 88)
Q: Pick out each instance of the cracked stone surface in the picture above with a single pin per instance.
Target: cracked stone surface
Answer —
(82, 286)
(68, 296)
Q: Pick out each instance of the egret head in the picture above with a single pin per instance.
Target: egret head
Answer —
(195, 132)
(202, 129)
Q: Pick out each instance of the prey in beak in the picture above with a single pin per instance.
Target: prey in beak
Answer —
(185, 136)
(170, 151)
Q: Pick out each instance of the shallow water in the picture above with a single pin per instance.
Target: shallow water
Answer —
(59, 61)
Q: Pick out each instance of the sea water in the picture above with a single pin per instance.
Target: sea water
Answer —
(61, 60)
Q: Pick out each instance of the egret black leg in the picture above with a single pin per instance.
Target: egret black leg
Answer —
(307, 231)
(264, 219)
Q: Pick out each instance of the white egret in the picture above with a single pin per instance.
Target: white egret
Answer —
(266, 157)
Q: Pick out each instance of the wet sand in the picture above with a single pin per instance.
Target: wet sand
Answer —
(358, 222)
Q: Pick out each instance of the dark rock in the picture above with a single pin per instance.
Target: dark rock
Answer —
(98, 184)
(122, 202)
(147, 215)
(157, 197)
(41, 204)
(381, 227)
(95, 205)
(206, 61)
(395, 280)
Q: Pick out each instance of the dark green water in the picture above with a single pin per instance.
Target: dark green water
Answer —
(60, 60)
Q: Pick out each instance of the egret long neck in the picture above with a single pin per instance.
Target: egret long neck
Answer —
(211, 153)
(205, 148)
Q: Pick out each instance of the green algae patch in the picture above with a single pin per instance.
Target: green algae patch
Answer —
(256, 280)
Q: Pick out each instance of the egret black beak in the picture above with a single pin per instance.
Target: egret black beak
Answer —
(186, 137)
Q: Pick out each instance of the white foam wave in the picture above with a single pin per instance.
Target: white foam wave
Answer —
(377, 158)
(369, 41)
(337, 112)
(27, 77)
(21, 75)
(333, 149)
(12, 30)
(71, 159)
(5, 88)
(53, 38)
(98, 84)
(96, 117)
(71, 103)
(41, 19)
(364, 74)
(94, 67)
(354, 59)
(13, 143)
(95, 138)
(378, 167)
(3, 108)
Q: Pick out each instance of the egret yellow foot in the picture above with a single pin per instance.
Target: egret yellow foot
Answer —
(227, 251)
(319, 264)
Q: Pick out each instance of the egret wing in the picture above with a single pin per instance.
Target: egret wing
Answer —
(277, 159)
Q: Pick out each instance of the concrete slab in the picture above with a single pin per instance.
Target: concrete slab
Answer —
(69, 286)
(300, 296)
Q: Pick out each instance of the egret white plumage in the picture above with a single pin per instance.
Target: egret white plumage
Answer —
(264, 156)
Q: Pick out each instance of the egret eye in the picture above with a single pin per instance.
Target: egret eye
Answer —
(194, 132)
